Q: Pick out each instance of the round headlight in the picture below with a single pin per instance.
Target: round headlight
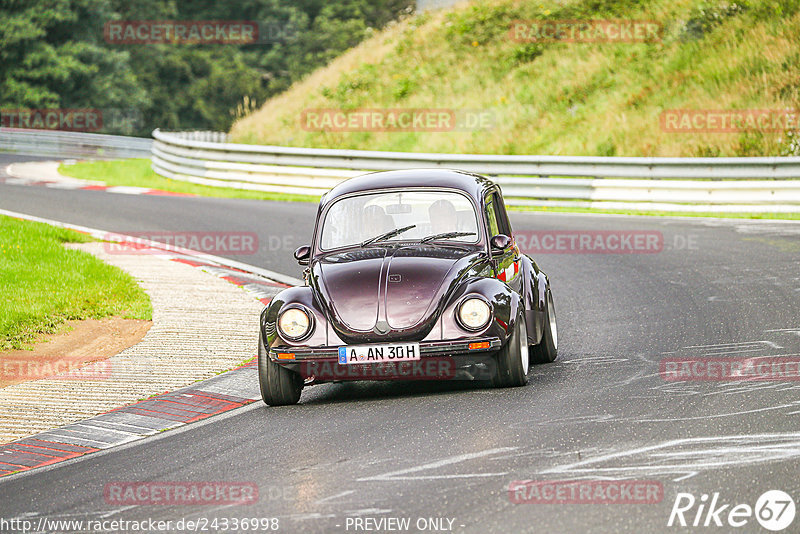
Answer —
(294, 323)
(474, 313)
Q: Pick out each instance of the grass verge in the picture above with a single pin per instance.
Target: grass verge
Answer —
(137, 172)
(44, 284)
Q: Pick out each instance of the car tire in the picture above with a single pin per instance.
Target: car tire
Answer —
(513, 359)
(547, 349)
(279, 386)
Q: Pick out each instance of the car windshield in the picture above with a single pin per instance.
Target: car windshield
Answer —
(360, 219)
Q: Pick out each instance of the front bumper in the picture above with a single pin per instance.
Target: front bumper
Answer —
(439, 360)
(427, 349)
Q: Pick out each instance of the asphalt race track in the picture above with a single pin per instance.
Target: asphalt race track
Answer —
(450, 450)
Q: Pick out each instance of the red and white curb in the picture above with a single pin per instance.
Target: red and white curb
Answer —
(222, 393)
(32, 173)
(121, 189)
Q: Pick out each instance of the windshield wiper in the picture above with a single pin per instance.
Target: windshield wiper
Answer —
(445, 235)
(388, 235)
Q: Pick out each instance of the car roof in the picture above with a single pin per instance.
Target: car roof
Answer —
(474, 185)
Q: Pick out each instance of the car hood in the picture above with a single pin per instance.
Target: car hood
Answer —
(392, 293)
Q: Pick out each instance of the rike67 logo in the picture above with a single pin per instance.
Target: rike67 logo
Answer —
(774, 510)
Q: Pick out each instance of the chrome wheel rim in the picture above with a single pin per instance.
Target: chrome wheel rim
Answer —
(523, 347)
(551, 314)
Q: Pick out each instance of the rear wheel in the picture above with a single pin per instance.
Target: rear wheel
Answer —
(547, 349)
(279, 386)
(513, 359)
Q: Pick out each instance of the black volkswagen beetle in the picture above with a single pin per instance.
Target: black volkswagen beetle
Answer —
(410, 275)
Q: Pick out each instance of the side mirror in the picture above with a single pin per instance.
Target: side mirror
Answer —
(500, 243)
(303, 254)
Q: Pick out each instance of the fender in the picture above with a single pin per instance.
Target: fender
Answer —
(505, 302)
(303, 296)
(535, 286)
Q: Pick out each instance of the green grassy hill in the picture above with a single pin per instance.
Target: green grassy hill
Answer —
(558, 98)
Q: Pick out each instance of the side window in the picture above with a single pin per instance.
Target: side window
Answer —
(491, 216)
(502, 217)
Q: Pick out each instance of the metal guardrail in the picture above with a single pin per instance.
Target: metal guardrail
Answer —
(58, 144)
(682, 184)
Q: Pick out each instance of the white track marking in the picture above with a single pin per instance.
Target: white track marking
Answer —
(366, 511)
(703, 454)
(116, 511)
(724, 346)
(795, 331)
(398, 475)
(737, 351)
(342, 494)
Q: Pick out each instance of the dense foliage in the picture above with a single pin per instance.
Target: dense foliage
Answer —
(53, 54)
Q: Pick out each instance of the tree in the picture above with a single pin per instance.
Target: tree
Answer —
(53, 55)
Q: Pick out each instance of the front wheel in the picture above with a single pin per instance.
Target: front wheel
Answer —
(547, 349)
(512, 360)
(279, 386)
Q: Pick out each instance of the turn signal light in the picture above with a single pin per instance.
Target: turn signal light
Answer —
(481, 345)
(286, 356)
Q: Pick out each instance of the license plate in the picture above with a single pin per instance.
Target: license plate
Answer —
(395, 352)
